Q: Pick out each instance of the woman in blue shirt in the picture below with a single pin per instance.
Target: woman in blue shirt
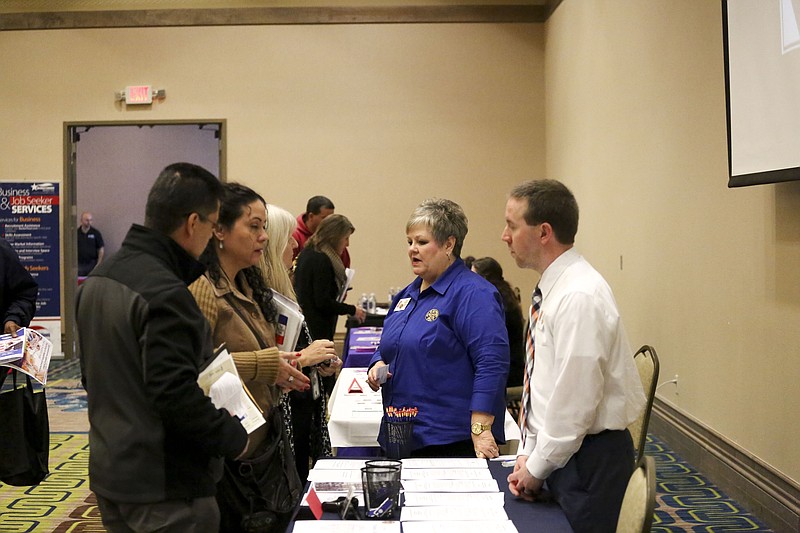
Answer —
(445, 343)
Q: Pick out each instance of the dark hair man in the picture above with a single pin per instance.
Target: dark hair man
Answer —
(582, 387)
(317, 208)
(156, 441)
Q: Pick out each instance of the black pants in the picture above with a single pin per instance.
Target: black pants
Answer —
(199, 515)
(591, 485)
(464, 448)
(303, 406)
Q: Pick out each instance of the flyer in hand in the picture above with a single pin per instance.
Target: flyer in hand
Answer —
(348, 284)
(221, 382)
(290, 322)
(28, 352)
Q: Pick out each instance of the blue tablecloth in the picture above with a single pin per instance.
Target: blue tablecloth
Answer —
(361, 346)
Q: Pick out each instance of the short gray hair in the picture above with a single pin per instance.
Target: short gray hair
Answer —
(443, 218)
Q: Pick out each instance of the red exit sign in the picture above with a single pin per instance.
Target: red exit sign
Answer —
(138, 94)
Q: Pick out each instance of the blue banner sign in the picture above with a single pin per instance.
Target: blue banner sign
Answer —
(29, 221)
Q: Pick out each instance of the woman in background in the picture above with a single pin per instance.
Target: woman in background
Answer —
(491, 270)
(319, 277)
(444, 343)
(307, 409)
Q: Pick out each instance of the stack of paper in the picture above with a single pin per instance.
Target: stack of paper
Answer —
(221, 382)
(440, 495)
(446, 494)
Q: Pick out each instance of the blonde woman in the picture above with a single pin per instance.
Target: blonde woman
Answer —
(306, 409)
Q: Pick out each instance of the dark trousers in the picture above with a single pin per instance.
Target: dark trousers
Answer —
(200, 515)
(591, 485)
(464, 448)
(303, 406)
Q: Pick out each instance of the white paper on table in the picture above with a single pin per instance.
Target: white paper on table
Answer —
(504, 458)
(346, 526)
(454, 499)
(335, 486)
(479, 526)
(451, 485)
(364, 414)
(444, 462)
(339, 464)
(446, 473)
(345, 476)
(452, 514)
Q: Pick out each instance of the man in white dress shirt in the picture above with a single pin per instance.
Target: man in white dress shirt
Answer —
(584, 387)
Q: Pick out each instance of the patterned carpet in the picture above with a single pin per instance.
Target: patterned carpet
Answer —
(686, 501)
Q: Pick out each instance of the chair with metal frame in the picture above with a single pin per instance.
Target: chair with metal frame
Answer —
(639, 502)
(646, 361)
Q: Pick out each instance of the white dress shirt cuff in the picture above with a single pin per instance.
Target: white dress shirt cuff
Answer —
(538, 467)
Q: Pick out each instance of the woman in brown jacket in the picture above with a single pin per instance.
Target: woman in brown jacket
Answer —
(238, 306)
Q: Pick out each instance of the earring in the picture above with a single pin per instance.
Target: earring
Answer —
(220, 245)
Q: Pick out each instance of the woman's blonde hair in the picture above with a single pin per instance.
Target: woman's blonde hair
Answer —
(280, 226)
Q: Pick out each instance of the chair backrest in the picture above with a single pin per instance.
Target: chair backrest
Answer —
(647, 364)
(639, 502)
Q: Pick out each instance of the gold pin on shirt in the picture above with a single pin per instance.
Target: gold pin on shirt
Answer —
(432, 315)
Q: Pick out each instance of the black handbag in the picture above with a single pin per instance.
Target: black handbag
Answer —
(259, 493)
(25, 437)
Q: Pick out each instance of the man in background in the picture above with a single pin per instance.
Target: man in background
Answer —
(583, 389)
(317, 208)
(18, 291)
(156, 440)
(90, 245)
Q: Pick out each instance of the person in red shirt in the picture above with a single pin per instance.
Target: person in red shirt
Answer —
(317, 208)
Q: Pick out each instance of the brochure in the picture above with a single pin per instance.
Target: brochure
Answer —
(290, 322)
(348, 283)
(221, 382)
(28, 352)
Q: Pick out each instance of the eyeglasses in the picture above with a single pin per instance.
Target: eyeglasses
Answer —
(203, 218)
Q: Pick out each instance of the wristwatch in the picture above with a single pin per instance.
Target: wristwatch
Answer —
(478, 428)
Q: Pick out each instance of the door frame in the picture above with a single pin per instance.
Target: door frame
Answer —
(69, 214)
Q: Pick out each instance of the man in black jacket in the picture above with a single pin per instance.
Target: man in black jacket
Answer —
(156, 441)
(18, 291)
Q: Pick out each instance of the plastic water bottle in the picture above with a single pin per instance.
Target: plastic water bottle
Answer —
(363, 301)
(372, 303)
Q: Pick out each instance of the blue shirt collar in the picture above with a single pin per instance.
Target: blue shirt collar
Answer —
(444, 281)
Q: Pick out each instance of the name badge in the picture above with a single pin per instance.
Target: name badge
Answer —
(402, 304)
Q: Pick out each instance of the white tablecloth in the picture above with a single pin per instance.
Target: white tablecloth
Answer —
(355, 417)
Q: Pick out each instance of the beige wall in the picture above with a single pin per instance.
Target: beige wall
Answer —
(377, 117)
(710, 276)
(381, 116)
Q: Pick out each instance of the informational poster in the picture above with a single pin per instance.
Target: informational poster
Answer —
(30, 222)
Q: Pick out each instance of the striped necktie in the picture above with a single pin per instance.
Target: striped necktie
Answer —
(536, 304)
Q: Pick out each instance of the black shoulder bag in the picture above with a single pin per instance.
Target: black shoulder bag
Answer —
(264, 489)
(25, 438)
